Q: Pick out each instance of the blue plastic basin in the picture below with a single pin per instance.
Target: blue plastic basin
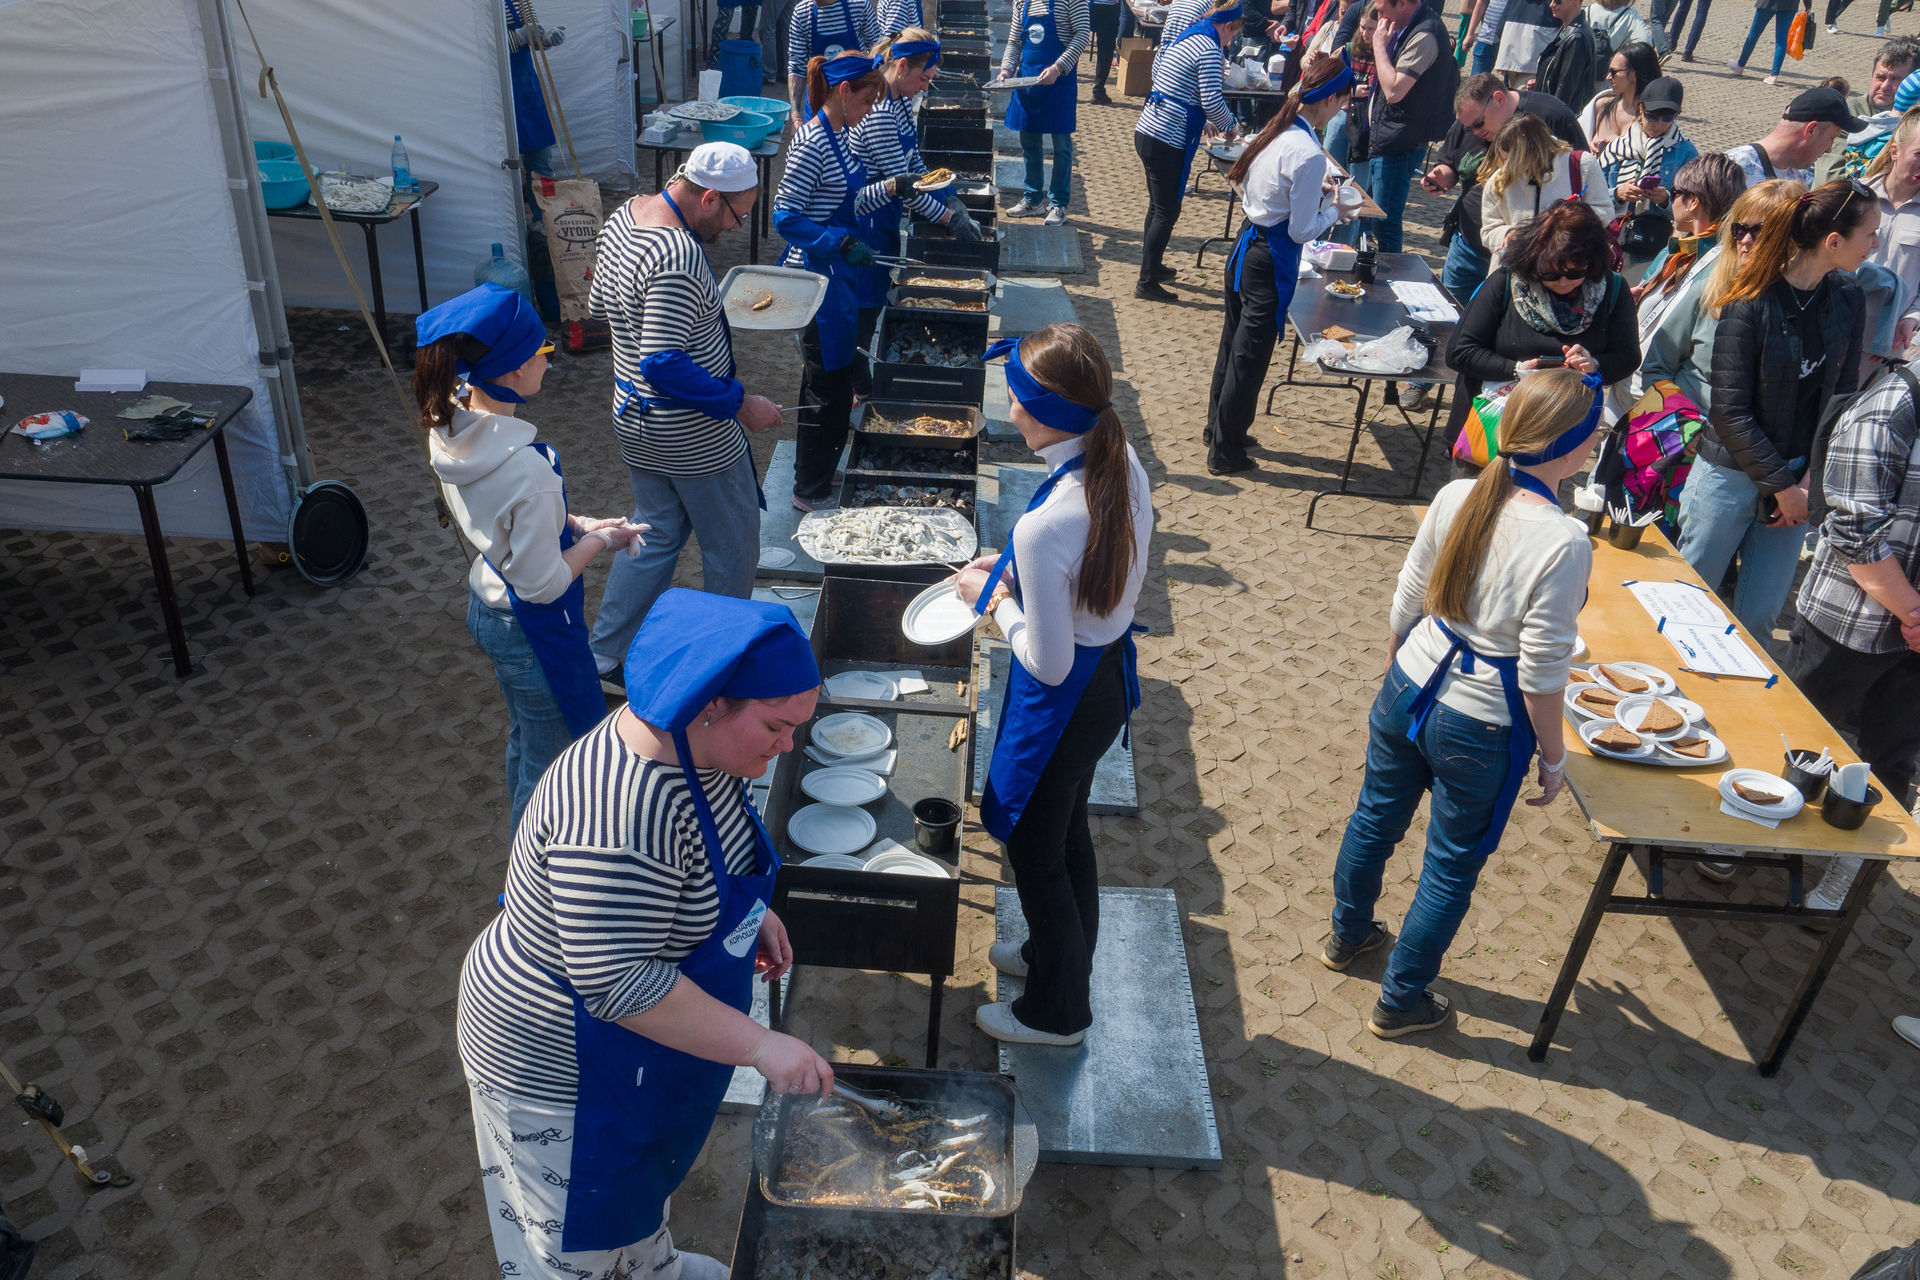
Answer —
(282, 185)
(772, 107)
(272, 150)
(749, 129)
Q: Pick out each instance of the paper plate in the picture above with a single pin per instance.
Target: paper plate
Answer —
(861, 684)
(1634, 707)
(1579, 642)
(831, 828)
(776, 557)
(905, 862)
(1593, 727)
(1346, 297)
(1661, 681)
(937, 616)
(1581, 714)
(1716, 751)
(850, 733)
(843, 785)
(836, 862)
(1791, 799)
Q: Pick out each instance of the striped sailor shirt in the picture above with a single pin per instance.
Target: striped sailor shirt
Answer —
(610, 886)
(886, 143)
(1187, 71)
(813, 186)
(897, 15)
(830, 22)
(1069, 20)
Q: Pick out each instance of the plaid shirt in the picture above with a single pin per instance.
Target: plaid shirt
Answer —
(1872, 489)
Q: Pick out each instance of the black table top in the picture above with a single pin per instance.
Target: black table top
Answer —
(102, 454)
(392, 213)
(1313, 309)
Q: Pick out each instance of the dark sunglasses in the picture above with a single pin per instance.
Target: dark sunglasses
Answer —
(1745, 230)
(1690, 194)
(1565, 273)
(1663, 116)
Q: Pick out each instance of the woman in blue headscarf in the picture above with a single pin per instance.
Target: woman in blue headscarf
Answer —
(603, 1012)
(479, 356)
(1063, 593)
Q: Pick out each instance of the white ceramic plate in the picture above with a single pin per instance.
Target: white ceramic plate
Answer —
(831, 828)
(1592, 727)
(861, 684)
(1580, 714)
(1345, 297)
(1661, 681)
(1634, 707)
(844, 786)
(1791, 801)
(1716, 752)
(937, 615)
(905, 862)
(851, 733)
(775, 557)
(836, 862)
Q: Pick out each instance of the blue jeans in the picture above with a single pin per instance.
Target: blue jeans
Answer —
(1782, 18)
(1391, 177)
(536, 731)
(1463, 762)
(1483, 56)
(1466, 267)
(1348, 232)
(723, 508)
(1719, 518)
(1061, 192)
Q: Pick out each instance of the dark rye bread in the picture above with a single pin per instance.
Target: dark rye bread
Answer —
(1617, 736)
(1698, 748)
(1624, 681)
(1597, 700)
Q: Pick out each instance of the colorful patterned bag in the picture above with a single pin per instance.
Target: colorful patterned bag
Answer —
(1644, 465)
(1479, 440)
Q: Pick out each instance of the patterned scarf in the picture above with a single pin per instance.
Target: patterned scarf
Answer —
(1682, 252)
(1547, 312)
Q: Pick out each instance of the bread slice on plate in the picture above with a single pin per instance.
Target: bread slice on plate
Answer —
(1597, 700)
(1754, 795)
(1617, 736)
(1698, 748)
(1624, 681)
(1661, 717)
(1576, 676)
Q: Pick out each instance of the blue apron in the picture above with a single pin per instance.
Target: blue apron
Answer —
(1196, 115)
(1045, 108)
(532, 125)
(881, 229)
(557, 633)
(838, 320)
(1520, 743)
(1033, 714)
(828, 46)
(1281, 246)
(644, 1110)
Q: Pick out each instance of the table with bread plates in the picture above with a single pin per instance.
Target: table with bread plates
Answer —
(1313, 309)
(1673, 814)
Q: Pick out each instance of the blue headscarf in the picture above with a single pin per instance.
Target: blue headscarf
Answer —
(1570, 439)
(1047, 407)
(914, 48)
(501, 319)
(695, 647)
(1341, 79)
(845, 67)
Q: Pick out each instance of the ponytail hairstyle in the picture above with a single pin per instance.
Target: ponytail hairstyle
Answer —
(882, 53)
(869, 85)
(1903, 132)
(1068, 361)
(1543, 406)
(436, 376)
(1793, 228)
(1524, 150)
(1756, 204)
(1324, 68)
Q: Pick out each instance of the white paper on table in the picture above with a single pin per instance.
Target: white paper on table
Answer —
(1714, 651)
(1679, 602)
(1732, 812)
(1425, 302)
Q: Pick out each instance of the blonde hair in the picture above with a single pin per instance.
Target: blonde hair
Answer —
(1757, 203)
(1881, 164)
(883, 52)
(1523, 151)
(1542, 407)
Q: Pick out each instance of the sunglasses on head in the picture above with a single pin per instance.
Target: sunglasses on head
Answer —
(1564, 273)
(1690, 194)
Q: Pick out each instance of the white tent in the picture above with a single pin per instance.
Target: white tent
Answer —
(594, 74)
(128, 240)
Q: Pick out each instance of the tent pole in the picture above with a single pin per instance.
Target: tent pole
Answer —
(256, 249)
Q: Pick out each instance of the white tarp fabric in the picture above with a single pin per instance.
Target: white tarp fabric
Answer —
(119, 249)
(357, 72)
(592, 68)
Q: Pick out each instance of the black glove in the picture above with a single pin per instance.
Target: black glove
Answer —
(857, 252)
(903, 185)
(964, 228)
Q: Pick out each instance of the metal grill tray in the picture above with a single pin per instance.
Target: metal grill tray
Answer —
(796, 294)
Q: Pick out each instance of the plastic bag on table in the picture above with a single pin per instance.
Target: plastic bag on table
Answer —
(1396, 350)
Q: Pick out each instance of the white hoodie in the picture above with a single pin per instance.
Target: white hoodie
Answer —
(509, 504)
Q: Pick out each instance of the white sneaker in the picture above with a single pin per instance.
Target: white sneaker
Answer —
(1007, 959)
(1721, 870)
(1737, 68)
(1908, 1029)
(1833, 28)
(1025, 209)
(1771, 80)
(997, 1020)
(1883, 32)
(1057, 216)
(1831, 893)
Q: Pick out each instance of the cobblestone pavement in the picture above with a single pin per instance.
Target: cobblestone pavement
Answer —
(234, 906)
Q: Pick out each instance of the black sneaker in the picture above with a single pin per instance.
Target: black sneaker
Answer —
(1231, 466)
(1164, 273)
(1341, 953)
(1391, 1024)
(1154, 292)
(1100, 96)
(614, 683)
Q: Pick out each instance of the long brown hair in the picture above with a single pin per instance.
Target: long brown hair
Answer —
(1324, 68)
(1756, 204)
(1791, 229)
(870, 84)
(1542, 406)
(436, 376)
(1068, 361)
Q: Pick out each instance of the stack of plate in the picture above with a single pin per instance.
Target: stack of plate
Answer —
(1791, 801)
(831, 828)
(844, 786)
(899, 861)
(850, 733)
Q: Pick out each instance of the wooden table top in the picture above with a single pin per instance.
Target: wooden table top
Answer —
(1653, 805)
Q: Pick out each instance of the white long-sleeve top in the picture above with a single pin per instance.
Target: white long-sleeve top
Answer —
(1049, 544)
(1526, 601)
(1502, 215)
(508, 502)
(1285, 181)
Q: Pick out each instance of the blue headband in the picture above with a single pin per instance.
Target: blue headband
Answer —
(1570, 439)
(914, 48)
(1047, 407)
(1341, 80)
(1225, 15)
(501, 319)
(847, 66)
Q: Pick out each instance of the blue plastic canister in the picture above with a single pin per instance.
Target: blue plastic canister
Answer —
(740, 69)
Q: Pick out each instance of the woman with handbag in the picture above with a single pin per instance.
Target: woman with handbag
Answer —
(1780, 13)
(1554, 301)
(1528, 170)
(1640, 166)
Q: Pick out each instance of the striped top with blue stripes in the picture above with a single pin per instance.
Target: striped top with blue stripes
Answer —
(610, 885)
(897, 15)
(1070, 23)
(830, 21)
(1182, 14)
(887, 144)
(1187, 71)
(813, 184)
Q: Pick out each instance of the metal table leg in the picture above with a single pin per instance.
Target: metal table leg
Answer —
(373, 269)
(163, 578)
(233, 509)
(1816, 977)
(1353, 443)
(1577, 953)
(419, 256)
(934, 1001)
(1226, 235)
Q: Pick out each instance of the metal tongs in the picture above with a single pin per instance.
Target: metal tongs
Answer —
(888, 260)
(886, 1107)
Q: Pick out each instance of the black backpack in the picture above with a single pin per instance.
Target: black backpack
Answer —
(1817, 463)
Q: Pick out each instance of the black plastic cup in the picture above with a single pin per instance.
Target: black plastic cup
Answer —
(1625, 536)
(936, 827)
(1848, 815)
(1809, 785)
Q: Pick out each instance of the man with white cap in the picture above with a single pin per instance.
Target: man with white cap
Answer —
(681, 414)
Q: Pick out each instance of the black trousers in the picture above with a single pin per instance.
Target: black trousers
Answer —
(1247, 333)
(826, 409)
(1054, 867)
(1874, 693)
(1678, 19)
(1164, 165)
(1105, 21)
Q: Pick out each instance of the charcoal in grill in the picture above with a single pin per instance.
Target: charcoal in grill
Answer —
(915, 344)
(911, 1250)
(912, 495)
(904, 458)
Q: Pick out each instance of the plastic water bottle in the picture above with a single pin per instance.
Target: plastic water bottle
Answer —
(402, 167)
(504, 271)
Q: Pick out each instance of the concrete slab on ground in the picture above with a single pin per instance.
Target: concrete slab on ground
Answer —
(1024, 306)
(1033, 246)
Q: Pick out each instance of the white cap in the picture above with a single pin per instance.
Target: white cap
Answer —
(721, 166)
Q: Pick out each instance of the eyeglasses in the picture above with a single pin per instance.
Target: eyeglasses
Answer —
(1476, 125)
(1564, 273)
(1663, 116)
(738, 217)
(1745, 230)
(1617, 71)
(1694, 196)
